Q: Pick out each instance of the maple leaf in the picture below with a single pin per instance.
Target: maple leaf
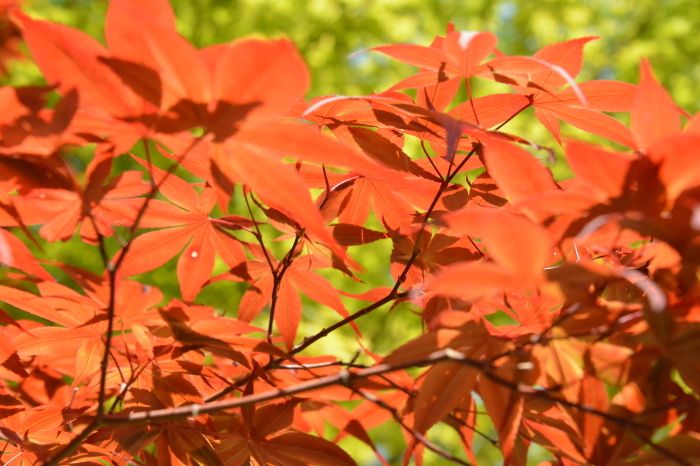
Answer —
(33, 433)
(298, 278)
(458, 54)
(517, 262)
(29, 128)
(517, 173)
(436, 252)
(14, 253)
(82, 319)
(184, 224)
(263, 437)
(654, 115)
(98, 208)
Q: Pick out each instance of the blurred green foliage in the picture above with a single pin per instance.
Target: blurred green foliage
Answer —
(328, 31)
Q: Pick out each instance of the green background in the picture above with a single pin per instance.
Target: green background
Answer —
(328, 31)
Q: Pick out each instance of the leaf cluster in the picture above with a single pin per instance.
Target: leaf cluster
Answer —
(597, 276)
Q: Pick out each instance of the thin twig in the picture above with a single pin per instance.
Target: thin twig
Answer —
(430, 159)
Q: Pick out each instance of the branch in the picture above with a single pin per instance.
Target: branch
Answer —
(343, 377)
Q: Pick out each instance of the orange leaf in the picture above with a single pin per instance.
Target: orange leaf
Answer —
(443, 389)
(605, 96)
(516, 171)
(471, 281)
(567, 56)
(255, 78)
(288, 312)
(505, 406)
(277, 184)
(307, 449)
(490, 110)
(69, 58)
(654, 115)
(417, 55)
(604, 170)
(467, 49)
(523, 255)
(590, 121)
(680, 167)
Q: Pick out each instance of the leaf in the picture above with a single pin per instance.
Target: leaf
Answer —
(515, 171)
(317, 288)
(567, 56)
(308, 450)
(255, 167)
(506, 407)
(607, 171)
(470, 281)
(132, 35)
(51, 340)
(423, 57)
(385, 152)
(679, 169)
(587, 120)
(654, 115)
(485, 192)
(467, 49)
(14, 253)
(686, 447)
(490, 110)
(523, 256)
(271, 419)
(386, 199)
(288, 312)
(191, 228)
(443, 389)
(469, 334)
(304, 142)
(606, 96)
(27, 302)
(553, 430)
(353, 235)
(260, 78)
(439, 94)
(69, 58)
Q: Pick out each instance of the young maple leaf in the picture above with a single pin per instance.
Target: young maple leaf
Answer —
(461, 53)
(537, 79)
(184, 223)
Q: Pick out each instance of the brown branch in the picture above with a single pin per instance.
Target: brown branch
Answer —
(343, 377)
